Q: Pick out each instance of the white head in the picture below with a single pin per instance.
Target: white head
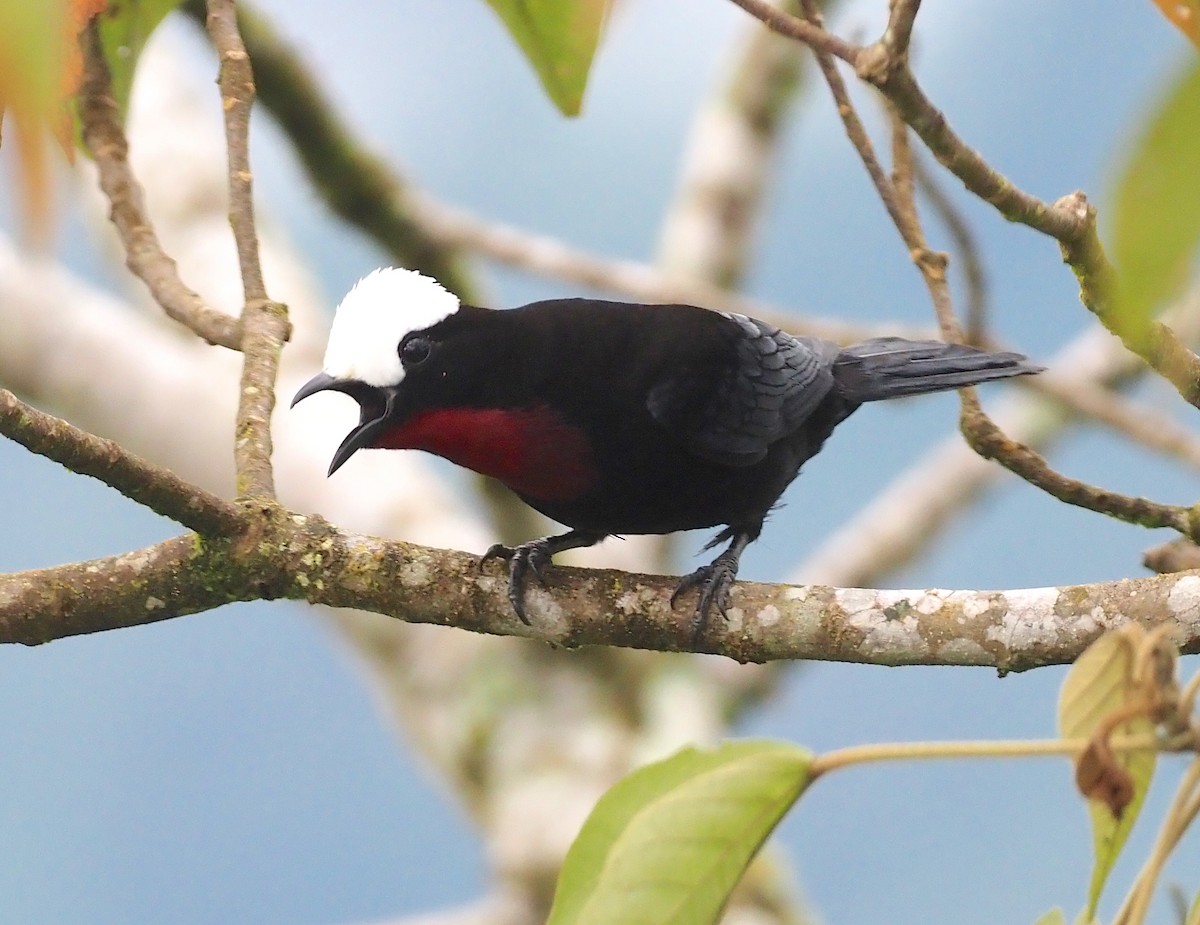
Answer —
(382, 308)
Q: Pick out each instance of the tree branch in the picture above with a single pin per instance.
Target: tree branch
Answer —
(1153, 341)
(980, 431)
(265, 326)
(105, 139)
(421, 232)
(807, 31)
(158, 489)
(356, 184)
(1070, 220)
(286, 555)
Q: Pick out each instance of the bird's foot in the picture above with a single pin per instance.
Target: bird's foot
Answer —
(532, 557)
(715, 581)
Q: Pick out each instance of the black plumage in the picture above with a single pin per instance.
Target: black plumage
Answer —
(655, 418)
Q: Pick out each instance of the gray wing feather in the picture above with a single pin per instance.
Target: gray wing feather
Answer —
(772, 384)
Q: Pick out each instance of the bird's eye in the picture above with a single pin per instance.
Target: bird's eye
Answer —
(415, 350)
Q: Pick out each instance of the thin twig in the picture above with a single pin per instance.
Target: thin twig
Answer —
(265, 326)
(550, 257)
(898, 35)
(966, 252)
(987, 439)
(421, 232)
(1070, 220)
(356, 184)
(1153, 341)
(808, 31)
(916, 506)
(857, 133)
(157, 488)
(104, 137)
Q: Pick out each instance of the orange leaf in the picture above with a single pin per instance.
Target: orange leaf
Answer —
(40, 67)
(1185, 14)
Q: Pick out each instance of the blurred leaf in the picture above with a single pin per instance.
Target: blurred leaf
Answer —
(666, 845)
(559, 37)
(1102, 681)
(124, 29)
(1193, 913)
(33, 57)
(1184, 14)
(1156, 221)
(1053, 917)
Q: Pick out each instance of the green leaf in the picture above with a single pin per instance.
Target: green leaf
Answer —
(1156, 222)
(1100, 682)
(1193, 915)
(124, 28)
(1053, 917)
(559, 37)
(667, 845)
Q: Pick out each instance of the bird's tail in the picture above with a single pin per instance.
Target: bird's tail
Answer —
(890, 367)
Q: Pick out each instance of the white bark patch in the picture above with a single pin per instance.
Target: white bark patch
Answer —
(153, 603)
(543, 608)
(931, 601)
(735, 619)
(415, 573)
(884, 618)
(1184, 599)
(974, 607)
(768, 616)
(1029, 619)
(632, 602)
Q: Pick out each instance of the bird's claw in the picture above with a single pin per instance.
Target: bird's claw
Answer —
(715, 582)
(522, 560)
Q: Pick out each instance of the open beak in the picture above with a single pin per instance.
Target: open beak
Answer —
(375, 410)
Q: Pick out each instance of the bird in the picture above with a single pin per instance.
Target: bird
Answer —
(615, 418)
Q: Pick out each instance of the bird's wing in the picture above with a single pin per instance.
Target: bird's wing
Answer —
(766, 384)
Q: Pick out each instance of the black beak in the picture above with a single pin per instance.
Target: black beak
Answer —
(375, 410)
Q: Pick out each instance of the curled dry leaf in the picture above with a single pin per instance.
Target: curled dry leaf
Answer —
(1099, 776)
(1110, 689)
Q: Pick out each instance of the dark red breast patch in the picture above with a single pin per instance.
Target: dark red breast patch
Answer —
(531, 450)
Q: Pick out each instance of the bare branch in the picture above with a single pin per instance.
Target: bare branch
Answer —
(550, 257)
(980, 431)
(966, 251)
(1154, 342)
(896, 38)
(104, 137)
(303, 558)
(265, 326)
(356, 184)
(986, 439)
(809, 32)
(424, 233)
(1070, 220)
(912, 510)
(158, 489)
